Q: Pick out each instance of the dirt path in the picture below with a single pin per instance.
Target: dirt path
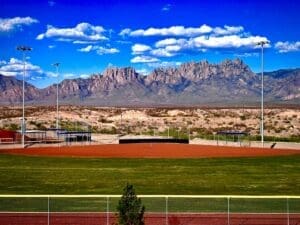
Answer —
(150, 151)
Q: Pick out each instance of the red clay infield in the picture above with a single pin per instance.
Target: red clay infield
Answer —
(150, 151)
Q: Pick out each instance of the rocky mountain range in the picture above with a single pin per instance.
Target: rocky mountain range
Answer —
(191, 84)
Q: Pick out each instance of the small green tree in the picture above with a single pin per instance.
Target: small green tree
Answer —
(130, 208)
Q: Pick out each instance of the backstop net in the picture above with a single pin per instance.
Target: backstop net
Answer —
(160, 210)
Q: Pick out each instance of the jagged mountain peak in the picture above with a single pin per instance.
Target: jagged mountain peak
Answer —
(11, 90)
(198, 71)
(190, 83)
(236, 64)
(125, 72)
(114, 77)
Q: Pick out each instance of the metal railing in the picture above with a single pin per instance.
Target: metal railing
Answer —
(160, 209)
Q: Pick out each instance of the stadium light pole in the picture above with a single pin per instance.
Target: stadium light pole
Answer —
(23, 49)
(261, 44)
(57, 113)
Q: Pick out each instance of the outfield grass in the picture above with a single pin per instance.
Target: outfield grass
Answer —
(232, 176)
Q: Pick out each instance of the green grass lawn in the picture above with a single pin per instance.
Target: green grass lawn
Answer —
(228, 176)
(245, 176)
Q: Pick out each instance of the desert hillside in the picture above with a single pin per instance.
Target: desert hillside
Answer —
(279, 122)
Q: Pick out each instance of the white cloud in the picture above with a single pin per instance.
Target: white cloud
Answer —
(166, 8)
(125, 31)
(86, 49)
(8, 73)
(72, 76)
(143, 71)
(210, 42)
(184, 31)
(68, 75)
(124, 42)
(84, 76)
(80, 33)
(162, 52)
(51, 46)
(204, 29)
(228, 30)
(172, 46)
(231, 41)
(84, 42)
(170, 31)
(284, 47)
(194, 39)
(110, 65)
(9, 24)
(99, 50)
(164, 64)
(170, 41)
(200, 38)
(15, 67)
(247, 54)
(140, 49)
(143, 59)
(103, 51)
(51, 3)
(51, 74)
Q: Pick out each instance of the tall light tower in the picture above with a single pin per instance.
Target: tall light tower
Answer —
(261, 44)
(57, 115)
(23, 125)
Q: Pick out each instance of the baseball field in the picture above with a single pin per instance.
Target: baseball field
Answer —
(153, 169)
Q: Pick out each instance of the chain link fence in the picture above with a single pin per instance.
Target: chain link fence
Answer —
(160, 209)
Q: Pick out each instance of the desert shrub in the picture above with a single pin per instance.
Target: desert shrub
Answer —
(242, 117)
(113, 130)
(13, 127)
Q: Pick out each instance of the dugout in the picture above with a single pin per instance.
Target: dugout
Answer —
(9, 137)
(75, 136)
(153, 140)
(32, 136)
(240, 137)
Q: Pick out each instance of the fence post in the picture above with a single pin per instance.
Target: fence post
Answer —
(167, 219)
(228, 210)
(107, 210)
(48, 219)
(288, 211)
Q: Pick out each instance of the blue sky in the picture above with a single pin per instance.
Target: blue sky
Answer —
(88, 36)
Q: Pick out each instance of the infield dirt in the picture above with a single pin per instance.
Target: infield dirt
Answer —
(150, 151)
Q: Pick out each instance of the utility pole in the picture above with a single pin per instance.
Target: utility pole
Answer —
(23, 49)
(57, 114)
(261, 44)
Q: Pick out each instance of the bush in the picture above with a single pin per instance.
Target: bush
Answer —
(13, 127)
(130, 208)
(243, 117)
